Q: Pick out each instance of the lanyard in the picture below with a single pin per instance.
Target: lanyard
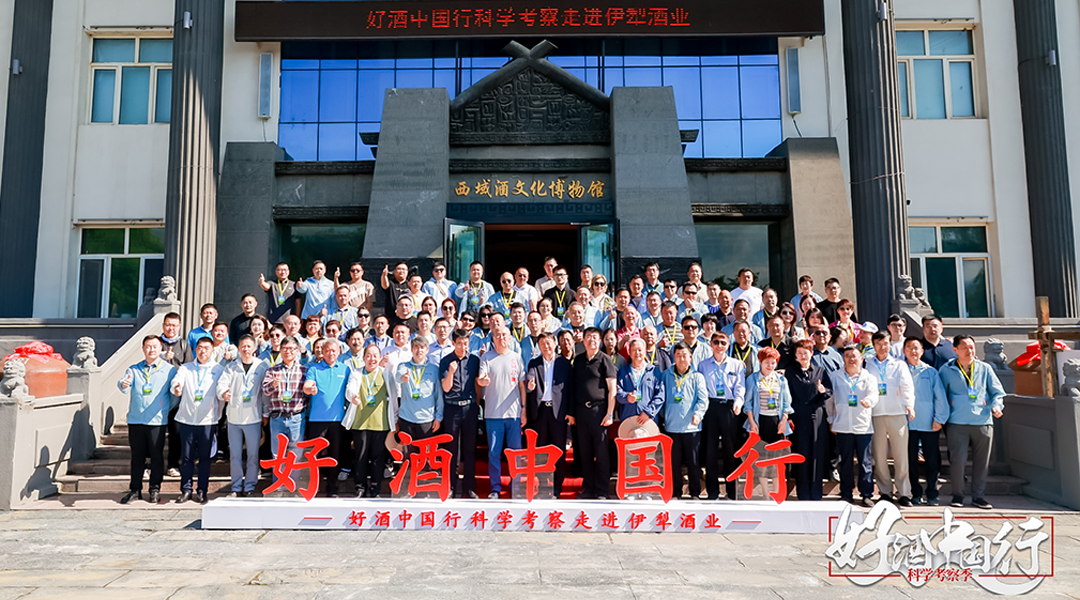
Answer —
(477, 288)
(969, 378)
(744, 356)
(249, 377)
(148, 373)
(670, 334)
(679, 381)
(850, 382)
(767, 383)
(275, 360)
(652, 357)
(355, 364)
(508, 301)
(281, 288)
(367, 383)
(417, 378)
(518, 336)
(559, 299)
(637, 382)
(200, 375)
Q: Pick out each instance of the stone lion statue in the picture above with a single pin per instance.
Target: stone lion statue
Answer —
(84, 353)
(149, 296)
(13, 385)
(905, 291)
(994, 353)
(1071, 385)
(920, 295)
(167, 291)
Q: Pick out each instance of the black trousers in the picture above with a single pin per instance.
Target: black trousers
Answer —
(147, 441)
(333, 432)
(931, 451)
(174, 440)
(593, 451)
(812, 442)
(768, 428)
(417, 431)
(195, 441)
(369, 460)
(462, 423)
(551, 431)
(684, 451)
(721, 437)
(855, 447)
(223, 436)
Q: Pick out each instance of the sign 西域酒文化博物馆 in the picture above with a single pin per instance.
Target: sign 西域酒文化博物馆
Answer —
(525, 188)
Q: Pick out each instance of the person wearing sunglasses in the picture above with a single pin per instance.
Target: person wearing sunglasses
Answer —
(825, 356)
(361, 291)
(721, 430)
(698, 351)
(439, 287)
(671, 292)
(791, 323)
(810, 386)
(600, 298)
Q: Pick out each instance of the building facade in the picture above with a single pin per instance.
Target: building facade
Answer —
(375, 139)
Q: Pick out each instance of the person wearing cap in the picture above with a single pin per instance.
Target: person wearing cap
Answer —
(895, 407)
(866, 339)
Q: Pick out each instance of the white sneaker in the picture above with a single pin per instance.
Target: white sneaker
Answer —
(173, 472)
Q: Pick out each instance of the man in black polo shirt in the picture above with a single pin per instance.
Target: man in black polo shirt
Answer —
(403, 315)
(936, 350)
(458, 371)
(395, 286)
(592, 408)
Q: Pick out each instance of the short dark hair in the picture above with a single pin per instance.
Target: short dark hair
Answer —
(171, 315)
(475, 263)
(831, 280)
(893, 318)
(596, 330)
(204, 340)
(652, 264)
(850, 348)
(151, 337)
(709, 318)
(460, 333)
(668, 304)
(744, 270)
(806, 278)
(636, 276)
(960, 338)
(910, 339)
(247, 336)
(246, 296)
(688, 318)
(546, 335)
(931, 317)
(879, 335)
(206, 306)
(352, 332)
(680, 346)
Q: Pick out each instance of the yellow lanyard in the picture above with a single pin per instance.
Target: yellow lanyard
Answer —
(767, 383)
(652, 357)
(275, 360)
(281, 288)
(508, 301)
(744, 356)
(679, 382)
(148, 372)
(416, 379)
(969, 378)
(559, 299)
(670, 334)
(517, 336)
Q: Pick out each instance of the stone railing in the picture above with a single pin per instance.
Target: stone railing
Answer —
(1041, 445)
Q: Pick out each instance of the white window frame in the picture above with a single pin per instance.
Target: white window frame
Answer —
(117, 68)
(106, 277)
(959, 258)
(946, 60)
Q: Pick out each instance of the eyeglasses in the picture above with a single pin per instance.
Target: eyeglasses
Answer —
(289, 349)
(787, 313)
(599, 285)
(719, 343)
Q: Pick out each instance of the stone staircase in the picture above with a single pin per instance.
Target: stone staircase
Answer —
(109, 471)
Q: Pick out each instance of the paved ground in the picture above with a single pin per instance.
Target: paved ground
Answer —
(152, 553)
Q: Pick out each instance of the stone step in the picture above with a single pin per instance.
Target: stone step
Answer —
(119, 484)
(121, 466)
(116, 438)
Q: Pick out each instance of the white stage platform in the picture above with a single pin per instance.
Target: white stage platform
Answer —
(371, 514)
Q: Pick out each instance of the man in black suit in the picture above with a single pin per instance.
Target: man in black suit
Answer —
(548, 386)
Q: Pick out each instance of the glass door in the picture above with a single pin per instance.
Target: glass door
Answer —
(599, 248)
(463, 243)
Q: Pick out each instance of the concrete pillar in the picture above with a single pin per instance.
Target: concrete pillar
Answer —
(878, 197)
(190, 203)
(652, 198)
(24, 145)
(1046, 158)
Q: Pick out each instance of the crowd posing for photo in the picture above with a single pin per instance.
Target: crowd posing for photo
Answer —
(708, 365)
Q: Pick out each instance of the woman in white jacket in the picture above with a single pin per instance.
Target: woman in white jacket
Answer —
(239, 388)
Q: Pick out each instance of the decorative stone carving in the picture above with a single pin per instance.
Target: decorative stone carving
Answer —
(84, 353)
(13, 385)
(167, 291)
(148, 296)
(529, 108)
(920, 295)
(994, 354)
(1071, 385)
(904, 289)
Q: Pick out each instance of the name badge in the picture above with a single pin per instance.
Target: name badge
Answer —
(246, 397)
(973, 395)
(286, 396)
(148, 389)
(416, 395)
(198, 396)
(559, 311)
(281, 299)
(474, 300)
(720, 389)
(678, 397)
(882, 389)
(852, 400)
(371, 400)
(506, 311)
(771, 404)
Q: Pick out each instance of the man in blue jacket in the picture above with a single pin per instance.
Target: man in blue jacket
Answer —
(931, 414)
(148, 414)
(975, 397)
(685, 401)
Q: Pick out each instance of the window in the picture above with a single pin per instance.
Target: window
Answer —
(332, 92)
(337, 245)
(726, 248)
(115, 266)
(935, 71)
(131, 80)
(953, 266)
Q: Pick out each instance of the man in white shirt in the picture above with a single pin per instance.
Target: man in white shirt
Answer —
(895, 407)
(547, 282)
(693, 275)
(526, 294)
(850, 411)
(196, 386)
(747, 290)
(502, 375)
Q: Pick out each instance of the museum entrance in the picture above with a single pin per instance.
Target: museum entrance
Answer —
(511, 246)
(503, 247)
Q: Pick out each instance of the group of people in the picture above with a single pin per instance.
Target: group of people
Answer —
(709, 366)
